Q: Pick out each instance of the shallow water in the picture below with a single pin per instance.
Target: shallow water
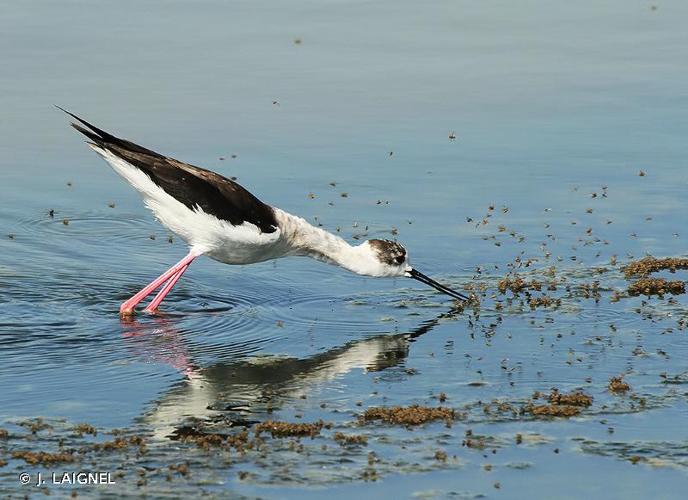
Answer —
(556, 109)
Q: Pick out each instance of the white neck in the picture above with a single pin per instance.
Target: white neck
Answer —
(306, 239)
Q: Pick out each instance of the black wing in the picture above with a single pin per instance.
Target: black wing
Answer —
(192, 186)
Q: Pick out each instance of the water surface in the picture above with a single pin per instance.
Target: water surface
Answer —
(342, 112)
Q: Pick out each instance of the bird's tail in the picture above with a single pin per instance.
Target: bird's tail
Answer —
(105, 140)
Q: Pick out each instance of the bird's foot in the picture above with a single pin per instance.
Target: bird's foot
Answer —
(126, 312)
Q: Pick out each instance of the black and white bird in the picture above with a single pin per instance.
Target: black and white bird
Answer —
(220, 219)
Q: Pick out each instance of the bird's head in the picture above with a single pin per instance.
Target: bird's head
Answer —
(385, 258)
(382, 258)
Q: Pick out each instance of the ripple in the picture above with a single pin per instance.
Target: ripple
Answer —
(593, 314)
(215, 323)
(115, 228)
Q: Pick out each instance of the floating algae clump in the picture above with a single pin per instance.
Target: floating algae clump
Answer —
(350, 439)
(575, 398)
(408, 415)
(618, 386)
(554, 410)
(544, 301)
(560, 405)
(205, 440)
(286, 429)
(121, 443)
(85, 429)
(648, 265)
(518, 284)
(656, 286)
(42, 457)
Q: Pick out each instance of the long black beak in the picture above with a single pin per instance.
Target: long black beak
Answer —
(417, 275)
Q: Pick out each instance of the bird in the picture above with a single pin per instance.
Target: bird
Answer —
(220, 219)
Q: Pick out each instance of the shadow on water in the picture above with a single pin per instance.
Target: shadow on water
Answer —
(254, 385)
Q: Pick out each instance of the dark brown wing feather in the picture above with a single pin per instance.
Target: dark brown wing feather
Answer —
(192, 186)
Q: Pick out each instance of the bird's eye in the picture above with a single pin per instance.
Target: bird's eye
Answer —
(399, 260)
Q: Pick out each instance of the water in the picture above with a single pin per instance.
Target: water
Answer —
(550, 103)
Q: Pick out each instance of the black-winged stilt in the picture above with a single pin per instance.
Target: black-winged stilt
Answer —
(219, 218)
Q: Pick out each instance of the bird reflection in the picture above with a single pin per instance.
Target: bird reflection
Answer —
(254, 384)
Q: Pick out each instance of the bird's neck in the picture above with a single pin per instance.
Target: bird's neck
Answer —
(306, 239)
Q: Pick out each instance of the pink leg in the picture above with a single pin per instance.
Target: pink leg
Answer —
(152, 307)
(127, 308)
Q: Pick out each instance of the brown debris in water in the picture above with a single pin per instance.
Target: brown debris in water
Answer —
(648, 265)
(409, 415)
(182, 469)
(350, 439)
(554, 410)
(206, 440)
(656, 286)
(575, 398)
(42, 457)
(618, 386)
(477, 442)
(240, 441)
(518, 284)
(369, 474)
(121, 443)
(287, 429)
(85, 429)
(36, 425)
(544, 301)
(560, 404)
(4, 434)
(591, 290)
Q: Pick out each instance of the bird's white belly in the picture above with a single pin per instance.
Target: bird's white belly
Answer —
(222, 241)
(233, 251)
